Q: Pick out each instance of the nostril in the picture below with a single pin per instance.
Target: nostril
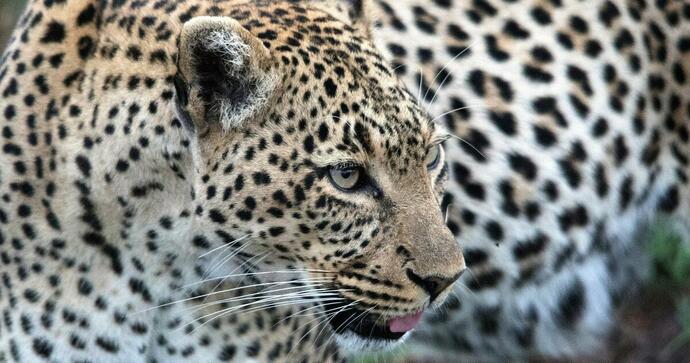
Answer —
(433, 285)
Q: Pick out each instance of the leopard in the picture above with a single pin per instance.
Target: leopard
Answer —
(213, 181)
(571, 138)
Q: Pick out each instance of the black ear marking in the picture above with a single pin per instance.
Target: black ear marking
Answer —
(225, 74)
(216, 83)
(356, 9)
(182, 97)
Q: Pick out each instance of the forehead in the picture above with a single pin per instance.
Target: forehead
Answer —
(337, 87)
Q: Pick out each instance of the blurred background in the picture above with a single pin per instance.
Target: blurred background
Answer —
(655, 325)
(9, 11)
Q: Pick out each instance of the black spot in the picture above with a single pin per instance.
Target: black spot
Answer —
(42, 347)
(216, 216)
(486, 280)
(487, 318)
(523, 165)
(323, 132)
(261, 178)
(107, 344)
(55, 33)
(87, 15)
(309, 144)
(227, 353)
(544, 136)
(84, 165)
(276, 231)
(84, 287)
(572, 175)
(530, 247)
(540, 15)
(571, 306)
(670, 201)
(573, 217)
(330, 87)
(504, 121)
(494, 230)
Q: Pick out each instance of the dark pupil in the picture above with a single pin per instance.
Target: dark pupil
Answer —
(346, 174)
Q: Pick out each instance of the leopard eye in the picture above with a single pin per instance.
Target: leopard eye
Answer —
(433, 157)
(346, 179)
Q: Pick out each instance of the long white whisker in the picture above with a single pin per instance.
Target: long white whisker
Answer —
(225, 245)
(468, 143)
(345, 323)
(240, 267)
(324, 320)
(215, 293)
(255, 274)
(240, 307)
(447, 75)
(351, 320)
(456, 110)
(232, 254)
(325, 298)
(213, 315)
(320, 313)
(263, 293)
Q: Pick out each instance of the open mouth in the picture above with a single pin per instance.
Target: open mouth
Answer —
(372, 325)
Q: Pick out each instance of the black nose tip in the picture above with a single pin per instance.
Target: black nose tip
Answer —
(433, 285)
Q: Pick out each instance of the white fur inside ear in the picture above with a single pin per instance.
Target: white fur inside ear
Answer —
(233, 116)
(257, 84)
(234, 50)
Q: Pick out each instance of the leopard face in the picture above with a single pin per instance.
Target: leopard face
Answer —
(170, 149)
(310, 148)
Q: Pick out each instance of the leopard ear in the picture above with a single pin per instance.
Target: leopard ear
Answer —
(225, 74)
(359, 14)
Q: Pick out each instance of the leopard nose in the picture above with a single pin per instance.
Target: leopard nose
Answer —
(433, 285)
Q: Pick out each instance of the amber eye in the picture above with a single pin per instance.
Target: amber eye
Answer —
(433, 157)
(346, 179)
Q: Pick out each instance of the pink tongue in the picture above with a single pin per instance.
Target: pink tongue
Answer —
(404, 323)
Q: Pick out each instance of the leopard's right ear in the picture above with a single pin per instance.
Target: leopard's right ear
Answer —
(225, 74)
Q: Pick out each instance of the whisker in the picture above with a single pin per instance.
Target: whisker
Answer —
(240, 267)
(326, 299)
(468, 144)
(347, 322)
(226, 311)
(456, 110)
(225, 245)
(232, 254)
(254, 295)
(323, 321)
(256, 274)
(447, 75)
(472, 274)
(298, 313)
(215, 293)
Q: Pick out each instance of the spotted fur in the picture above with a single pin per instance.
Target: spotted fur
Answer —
(166, 192)
(572, 126)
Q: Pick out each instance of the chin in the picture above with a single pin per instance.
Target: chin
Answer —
(356, 331)
(355, 343)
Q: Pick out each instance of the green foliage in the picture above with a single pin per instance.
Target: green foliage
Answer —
(670, 254)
